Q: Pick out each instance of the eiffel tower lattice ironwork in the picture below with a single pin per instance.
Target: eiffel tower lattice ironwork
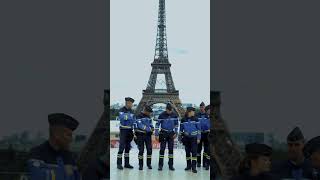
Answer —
(97, 145)
(222, 148)
(161, 65)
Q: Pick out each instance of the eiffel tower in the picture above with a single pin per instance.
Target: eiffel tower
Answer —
(97, 145)
(222, 148)
(161, 65)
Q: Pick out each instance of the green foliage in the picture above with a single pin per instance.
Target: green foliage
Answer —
(114, 113)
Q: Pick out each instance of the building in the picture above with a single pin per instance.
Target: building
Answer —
(243, 138)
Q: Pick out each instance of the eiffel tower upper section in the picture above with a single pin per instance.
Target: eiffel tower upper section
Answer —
(161, 63)
(161, 50)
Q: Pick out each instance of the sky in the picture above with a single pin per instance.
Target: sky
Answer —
(132, 43)
(267, 65)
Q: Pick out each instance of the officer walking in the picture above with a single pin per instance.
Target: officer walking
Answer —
(190, 136)
(297, 166)
(312, 151)
(52, 159)
(168, 123)
(256, 165)
(143, 128)
(127, 119)
(205, 129)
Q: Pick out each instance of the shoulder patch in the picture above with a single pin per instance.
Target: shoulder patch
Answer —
(36, 163)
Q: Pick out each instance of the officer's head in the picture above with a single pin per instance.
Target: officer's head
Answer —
(129, 102)
(202, 107)
(190, 111)
(147, 110)
(258, 157)
(169, 108)
(312, 151)
(61, 127)
(295, 142)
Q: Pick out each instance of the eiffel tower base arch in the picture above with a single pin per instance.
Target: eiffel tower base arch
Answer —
(150, 98)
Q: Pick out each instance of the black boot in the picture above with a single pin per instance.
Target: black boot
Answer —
(119, 167)
(171, 168)
(119, 162)
(149, 161)
(188, 165)
(207, 167)
(194, 169)
(170, 163)
(199, 160)
(204, 159)
(126, 162)
(140, 162)
(160, 162)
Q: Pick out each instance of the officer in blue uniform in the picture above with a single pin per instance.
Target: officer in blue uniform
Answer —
(205, 129)
(143, 129)
(127, 119)
(168, 123)
(190, 136)
(296, 166)
(256, 165)
(52, 160)
(312, 151)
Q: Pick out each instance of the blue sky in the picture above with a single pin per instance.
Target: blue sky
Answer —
(132, 43)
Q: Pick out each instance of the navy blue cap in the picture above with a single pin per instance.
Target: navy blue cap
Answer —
(169, 106)
(258, 149)
(202, 104)
(63, 119)
(311, 146)
(295, 135)
(129, 99)
(191, 108)
(148, 108)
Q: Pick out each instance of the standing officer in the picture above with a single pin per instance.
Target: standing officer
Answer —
(297, 166)
(190, 136)
(52, 159)
(205, 129)
(168, 121)
(256, 165)
(143, 129)
(312, 151)
(126, 117)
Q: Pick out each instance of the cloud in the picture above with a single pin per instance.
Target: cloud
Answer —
(178, 51)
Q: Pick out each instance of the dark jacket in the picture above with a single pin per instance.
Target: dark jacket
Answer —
(263, 176)
(286, 169)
